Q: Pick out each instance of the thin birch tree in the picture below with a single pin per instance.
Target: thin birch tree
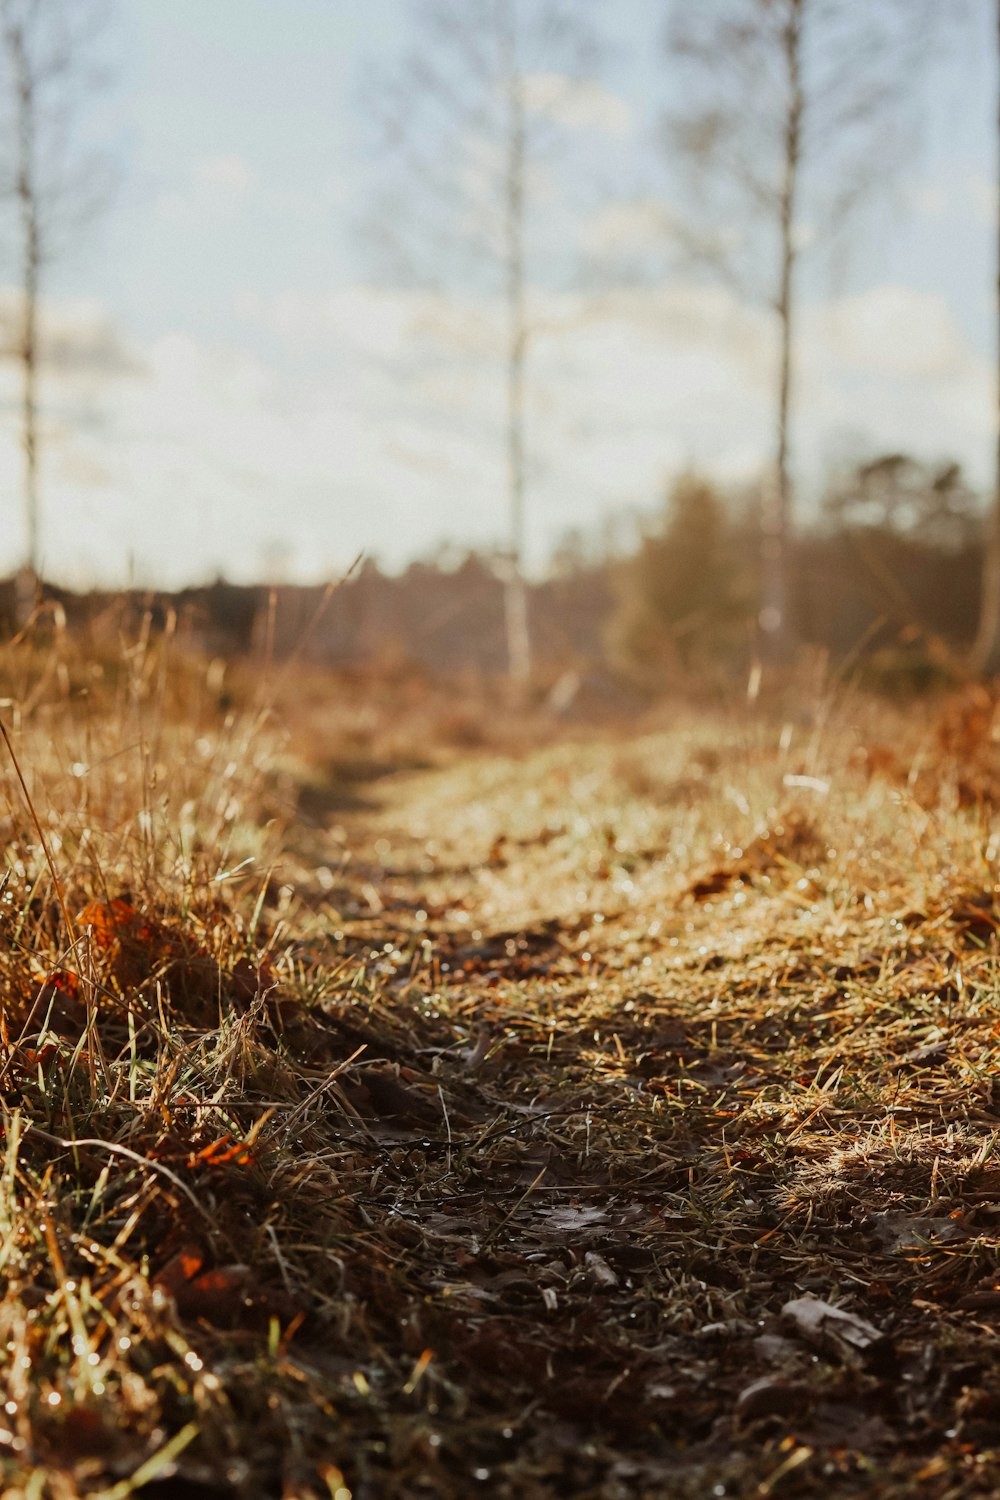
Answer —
(49, 51)
(792, 114)
(468, 124)
(985, 655)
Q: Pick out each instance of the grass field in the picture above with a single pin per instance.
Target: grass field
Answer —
(400, 1101)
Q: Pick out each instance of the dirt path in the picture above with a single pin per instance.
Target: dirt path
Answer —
(618, 1119)
(646, 1100)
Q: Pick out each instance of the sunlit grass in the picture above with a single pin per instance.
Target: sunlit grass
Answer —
(391, 1116)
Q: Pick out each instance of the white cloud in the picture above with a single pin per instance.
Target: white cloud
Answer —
(227, 173)
(76, 337)
(929, 200)
(893, 330)
(173, 208)
(217, 186)
(385, 324)
(578, 103)
(377, 422)
(627, 387)
(959, 194)
(637, 227)
(982, 193)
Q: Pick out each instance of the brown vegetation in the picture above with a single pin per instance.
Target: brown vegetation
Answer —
(608, 1114)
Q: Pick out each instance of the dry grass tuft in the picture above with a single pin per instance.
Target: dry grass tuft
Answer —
(384, 1115)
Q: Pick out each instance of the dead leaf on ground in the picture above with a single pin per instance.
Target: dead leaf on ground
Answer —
(834, 1330)
(768, 1397)
(384, 1095)
(896, 1232)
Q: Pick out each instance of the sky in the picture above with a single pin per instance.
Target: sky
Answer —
(244, 388)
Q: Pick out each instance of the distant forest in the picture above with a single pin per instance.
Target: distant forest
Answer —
(887, 576)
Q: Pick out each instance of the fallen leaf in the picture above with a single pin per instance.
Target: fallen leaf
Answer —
(833, 1329)
(223, 1152)
(897, 1232)
(570, 1219)
(180, 1268)
(131, 947)
(768, 1397)
(58, 1002)
(598, 1270)
(388, 1098)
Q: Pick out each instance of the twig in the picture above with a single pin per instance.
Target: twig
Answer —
(60, 893)
(488, 1240)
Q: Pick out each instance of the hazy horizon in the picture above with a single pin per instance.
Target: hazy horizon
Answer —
(240, 389)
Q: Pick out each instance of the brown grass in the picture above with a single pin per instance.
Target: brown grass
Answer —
(411, 1114)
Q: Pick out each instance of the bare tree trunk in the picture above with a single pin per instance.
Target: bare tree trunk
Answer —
(778, 631)
(515, 595)
(29, 389)
(27, 198)
(985, 654)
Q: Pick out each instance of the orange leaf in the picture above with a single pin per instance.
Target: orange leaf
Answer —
(65, 981)
(222, 1152)
(134, 947)
(179, 1269)
(58, 1000)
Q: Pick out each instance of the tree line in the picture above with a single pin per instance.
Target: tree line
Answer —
(886, 577)
(887, 580)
